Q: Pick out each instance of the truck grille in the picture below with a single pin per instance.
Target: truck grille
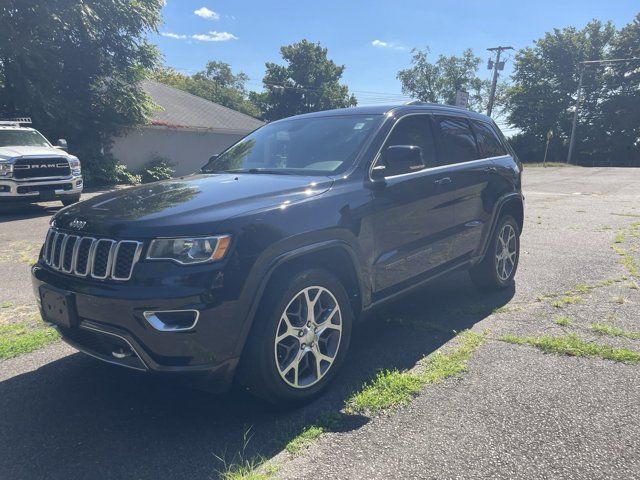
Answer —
(99, 258)
(41, 167)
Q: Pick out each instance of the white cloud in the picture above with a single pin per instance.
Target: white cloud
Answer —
(214, 37)
(204, 12)
(202, 37)
(381, 44)
(173, 35)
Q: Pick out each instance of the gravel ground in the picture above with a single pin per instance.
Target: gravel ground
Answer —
(517, 412)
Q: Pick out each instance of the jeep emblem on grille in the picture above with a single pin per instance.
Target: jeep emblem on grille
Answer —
(77, 224)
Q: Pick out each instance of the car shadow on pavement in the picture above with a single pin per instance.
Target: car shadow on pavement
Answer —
(21, 211)
(78, 418)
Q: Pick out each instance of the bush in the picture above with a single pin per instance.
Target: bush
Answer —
(104, 170)
(155, 169)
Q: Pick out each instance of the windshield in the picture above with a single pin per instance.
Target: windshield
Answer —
(22, 138)
(304, 146)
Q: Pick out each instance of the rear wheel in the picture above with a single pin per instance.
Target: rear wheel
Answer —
(297, 345)
(70, 199)
(498, 268)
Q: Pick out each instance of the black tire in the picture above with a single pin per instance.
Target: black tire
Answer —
(259, 370)
(70, 199)
(485, 274)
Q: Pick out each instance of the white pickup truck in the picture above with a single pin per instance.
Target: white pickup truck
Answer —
(33, 170)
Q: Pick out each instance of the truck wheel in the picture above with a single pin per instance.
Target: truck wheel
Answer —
(299, 338)
(498, 268)
(70, 199)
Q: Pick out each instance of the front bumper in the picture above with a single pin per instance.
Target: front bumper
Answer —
(112, 326)
(30, 190)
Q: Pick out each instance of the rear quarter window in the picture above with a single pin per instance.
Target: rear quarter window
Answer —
(488, 141)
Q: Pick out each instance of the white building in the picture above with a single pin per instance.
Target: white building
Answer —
(185, 130)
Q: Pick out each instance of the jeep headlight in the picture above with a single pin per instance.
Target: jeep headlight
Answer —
(5, 169)
(74, 164)
(187, 251)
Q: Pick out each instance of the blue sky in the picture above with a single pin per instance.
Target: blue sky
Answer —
(373, 39)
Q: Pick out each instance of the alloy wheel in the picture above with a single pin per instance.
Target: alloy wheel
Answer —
(506, 252)
(308, 337)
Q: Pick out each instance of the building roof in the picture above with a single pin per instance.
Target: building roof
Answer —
(179, 109)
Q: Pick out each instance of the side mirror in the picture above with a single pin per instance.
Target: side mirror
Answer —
(399, 159)
(62, 144)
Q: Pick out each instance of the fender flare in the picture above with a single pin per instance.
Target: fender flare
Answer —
(265, 274)
(500, 204)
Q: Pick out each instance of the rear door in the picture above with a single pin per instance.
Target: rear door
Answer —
(470, 176)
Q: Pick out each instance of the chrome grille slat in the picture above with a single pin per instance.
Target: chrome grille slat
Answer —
(98, 258)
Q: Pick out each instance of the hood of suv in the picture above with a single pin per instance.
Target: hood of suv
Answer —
(7, 153)
(191, 205)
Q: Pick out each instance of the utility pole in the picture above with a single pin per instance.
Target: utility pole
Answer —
(496, 66)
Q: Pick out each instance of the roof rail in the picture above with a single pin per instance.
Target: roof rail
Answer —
(15, 121)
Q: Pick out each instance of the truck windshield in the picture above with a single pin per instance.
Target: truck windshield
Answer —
(22, 138)
(303, 146)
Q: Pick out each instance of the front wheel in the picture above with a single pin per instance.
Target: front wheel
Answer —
(498, 268)
(299, 338)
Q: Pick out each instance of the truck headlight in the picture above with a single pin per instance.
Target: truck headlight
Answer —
(74, 164)
(188, 251)
(5, 169)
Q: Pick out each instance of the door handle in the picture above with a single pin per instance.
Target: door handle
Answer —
(443, 181)
(490, 169)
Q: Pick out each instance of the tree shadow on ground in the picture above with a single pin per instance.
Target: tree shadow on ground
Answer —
(22, 211)
(77, 418)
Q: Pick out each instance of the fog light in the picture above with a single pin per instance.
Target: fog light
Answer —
(172, 320)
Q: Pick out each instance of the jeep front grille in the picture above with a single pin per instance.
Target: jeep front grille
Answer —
(100, 258)
(41, 167)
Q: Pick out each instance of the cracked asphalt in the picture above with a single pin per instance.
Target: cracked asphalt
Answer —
(516, 412)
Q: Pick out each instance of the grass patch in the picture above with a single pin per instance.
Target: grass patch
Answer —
(304, 439)
(619, 299)
(634, 286)
(246, 470)
(21, 251)
(619, 238)
(6, 304)
(562, 321)
(507, 309)
(604, 329)
(19, 338)
(548, 164)
(573, 345)
(566, 300)
(391, 388)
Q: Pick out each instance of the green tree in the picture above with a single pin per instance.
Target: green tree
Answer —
(309, 82)
(620, 102)
(440, 81)
(74, 67)
(216, 83)
(545, 83)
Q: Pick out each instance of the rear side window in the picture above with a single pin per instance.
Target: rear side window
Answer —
(415, 130)
(458, 143)
(488, 141)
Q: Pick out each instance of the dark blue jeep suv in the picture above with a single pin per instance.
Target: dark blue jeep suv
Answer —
(257, 267)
